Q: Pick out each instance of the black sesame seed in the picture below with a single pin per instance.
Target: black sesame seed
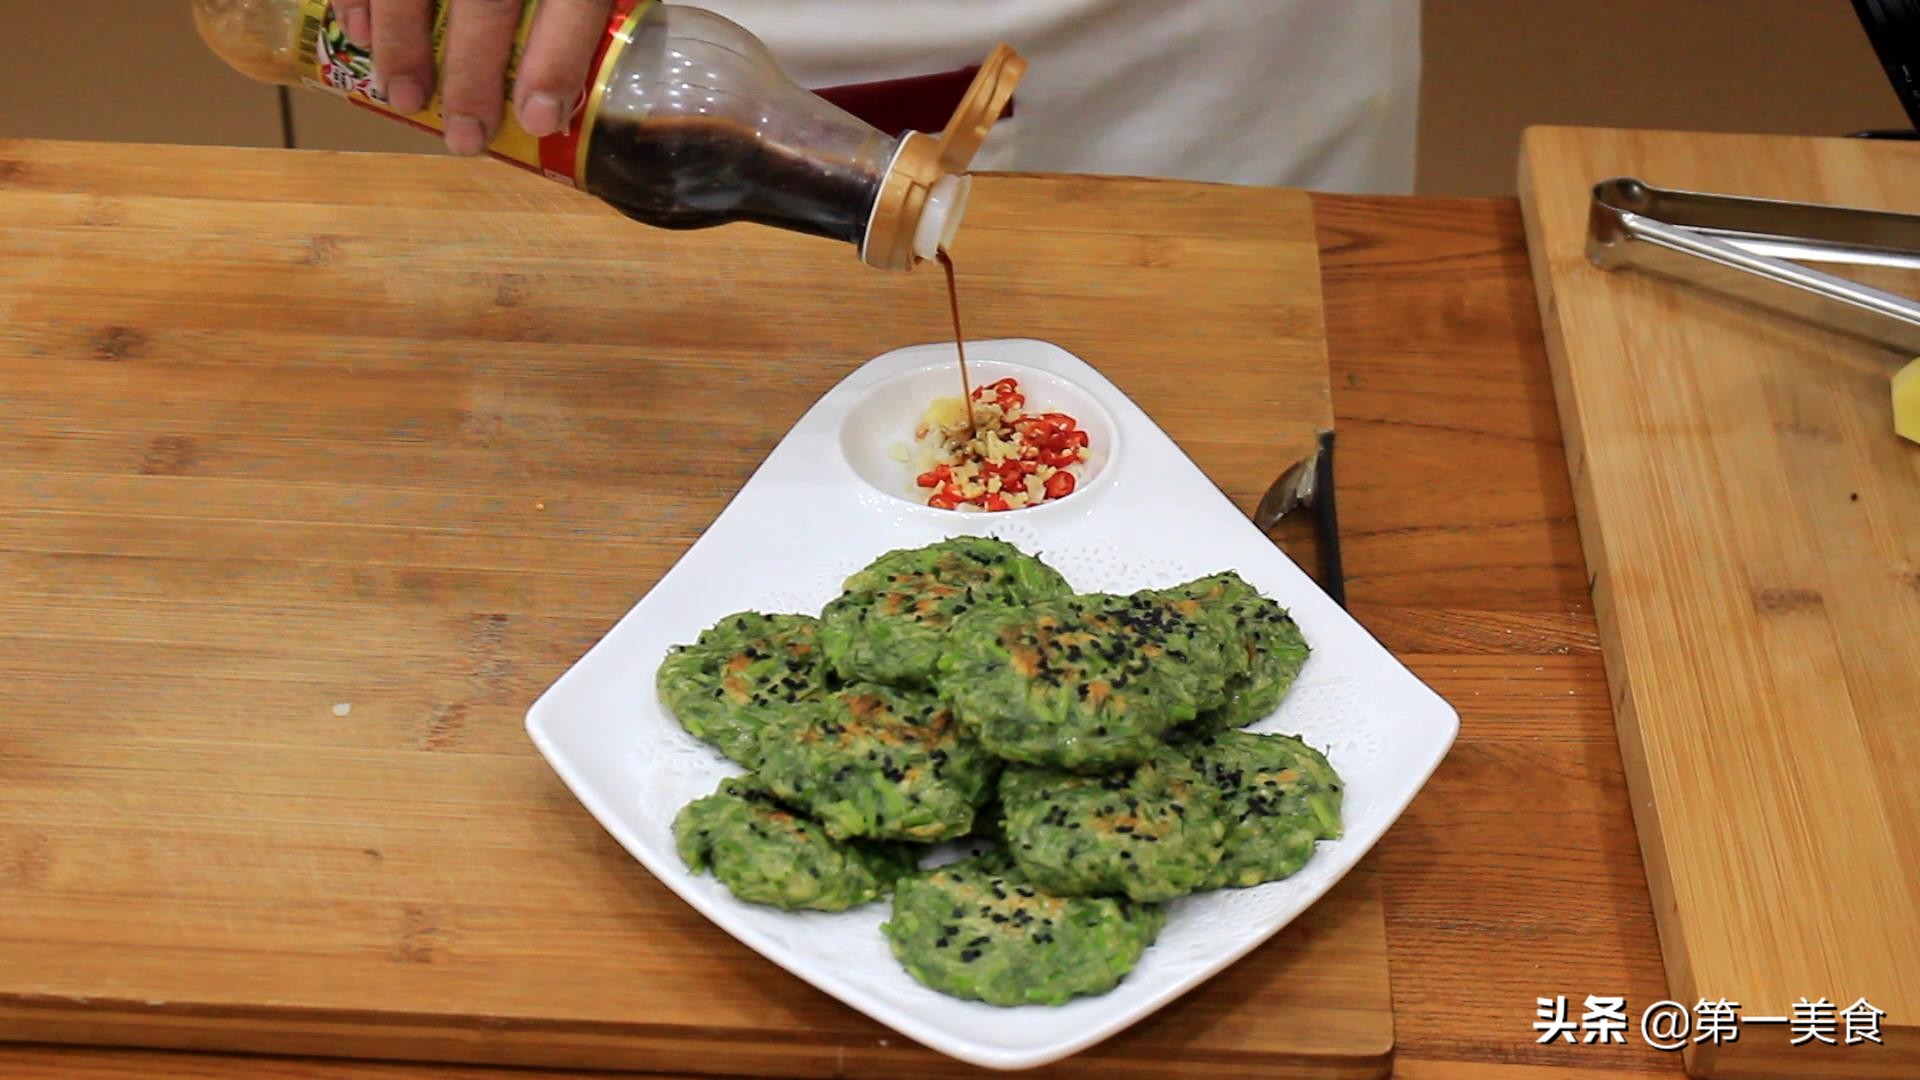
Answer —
(968, 956)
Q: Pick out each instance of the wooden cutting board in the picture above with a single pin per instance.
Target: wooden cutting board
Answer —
(316, 469)
(1752, 528)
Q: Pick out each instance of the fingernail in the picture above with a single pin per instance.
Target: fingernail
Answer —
(406, 95)
(360, 28)
(465, 135)
(541, 114)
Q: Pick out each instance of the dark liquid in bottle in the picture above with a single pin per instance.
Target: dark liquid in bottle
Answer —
(692, 174)
(959, 340)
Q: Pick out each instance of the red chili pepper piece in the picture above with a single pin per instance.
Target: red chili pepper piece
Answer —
(1059, 484)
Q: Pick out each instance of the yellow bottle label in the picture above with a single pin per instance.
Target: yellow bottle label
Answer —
(333, 64)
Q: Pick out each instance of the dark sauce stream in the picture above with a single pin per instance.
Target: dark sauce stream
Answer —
(959, 340)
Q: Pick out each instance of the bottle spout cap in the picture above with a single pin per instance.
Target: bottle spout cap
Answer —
(980, 107)
(925, 192)
(940, 217)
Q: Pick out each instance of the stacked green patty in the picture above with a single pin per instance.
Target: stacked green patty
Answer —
(961, 690)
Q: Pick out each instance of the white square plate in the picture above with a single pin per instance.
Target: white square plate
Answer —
(828, 500)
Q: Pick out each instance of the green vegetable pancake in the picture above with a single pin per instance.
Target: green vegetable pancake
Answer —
(875, 761)
(1151, 832)
(766, 853)
(978, 929)
(1275, 650)
(1278, 796)
(744, 672)
(1088, 683)
(889, 624)
(1084, 748)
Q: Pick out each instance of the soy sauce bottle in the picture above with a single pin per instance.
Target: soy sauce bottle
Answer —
(685, 122)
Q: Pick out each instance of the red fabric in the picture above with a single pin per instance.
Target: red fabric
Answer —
(918, 103)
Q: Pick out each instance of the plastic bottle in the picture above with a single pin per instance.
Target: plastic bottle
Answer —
(686, 121)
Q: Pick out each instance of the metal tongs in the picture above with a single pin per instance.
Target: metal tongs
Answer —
(1740, 247)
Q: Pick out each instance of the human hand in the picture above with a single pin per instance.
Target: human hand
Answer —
(479, 44)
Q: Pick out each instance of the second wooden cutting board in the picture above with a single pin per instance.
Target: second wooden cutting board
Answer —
(1752, 527)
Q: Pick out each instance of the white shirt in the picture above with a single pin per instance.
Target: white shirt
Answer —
(1318, 94)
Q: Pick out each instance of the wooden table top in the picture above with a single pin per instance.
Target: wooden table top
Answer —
(1515, 874)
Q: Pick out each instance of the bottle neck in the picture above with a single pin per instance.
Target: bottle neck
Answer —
(690, 173)
(691, 125)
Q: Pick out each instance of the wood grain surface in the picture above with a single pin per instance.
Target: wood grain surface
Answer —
(1752, 528)
(1515, 873)
(316, 469)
